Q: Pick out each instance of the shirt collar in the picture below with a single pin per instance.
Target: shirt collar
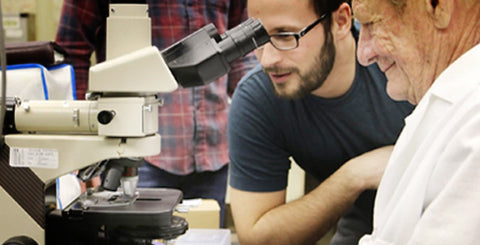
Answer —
(459, 78)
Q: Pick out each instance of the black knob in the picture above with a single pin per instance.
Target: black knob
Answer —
(20, 240)
(105, 117)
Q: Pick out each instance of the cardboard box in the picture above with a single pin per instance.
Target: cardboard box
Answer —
(202, 213)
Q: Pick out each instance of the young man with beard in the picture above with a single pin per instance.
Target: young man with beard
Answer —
(312, 101)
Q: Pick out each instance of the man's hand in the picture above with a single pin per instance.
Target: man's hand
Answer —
(368, 168)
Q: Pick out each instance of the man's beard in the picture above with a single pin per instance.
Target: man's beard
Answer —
(315, 77)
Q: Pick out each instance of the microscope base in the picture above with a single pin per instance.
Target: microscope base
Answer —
(149, 217)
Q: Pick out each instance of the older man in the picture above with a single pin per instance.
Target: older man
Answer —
(430, 53)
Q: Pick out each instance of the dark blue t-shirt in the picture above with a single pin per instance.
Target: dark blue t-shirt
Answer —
(320, 134)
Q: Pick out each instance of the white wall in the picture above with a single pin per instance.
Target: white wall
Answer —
(46, 12)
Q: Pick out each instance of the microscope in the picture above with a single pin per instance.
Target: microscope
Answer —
(109, 133)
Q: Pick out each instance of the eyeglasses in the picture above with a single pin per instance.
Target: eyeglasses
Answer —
(289, 40)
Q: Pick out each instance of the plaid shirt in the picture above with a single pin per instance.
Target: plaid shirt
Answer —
(192, 121)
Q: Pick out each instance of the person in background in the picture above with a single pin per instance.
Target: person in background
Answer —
(312, 101)
(192, 121)
(430, 53)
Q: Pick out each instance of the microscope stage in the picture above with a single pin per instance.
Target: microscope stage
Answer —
(151, 207)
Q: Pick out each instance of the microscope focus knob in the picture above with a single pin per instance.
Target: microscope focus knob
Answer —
(105, 117)
(20, 240)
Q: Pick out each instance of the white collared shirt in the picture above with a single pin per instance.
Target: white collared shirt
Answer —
(430, 192)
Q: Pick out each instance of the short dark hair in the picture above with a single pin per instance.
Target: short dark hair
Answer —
(327, 6)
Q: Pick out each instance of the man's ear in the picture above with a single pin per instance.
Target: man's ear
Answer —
(342, 21)
(441, 12)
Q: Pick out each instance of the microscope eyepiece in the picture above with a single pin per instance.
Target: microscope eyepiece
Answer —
(204, 55)
(242, 39)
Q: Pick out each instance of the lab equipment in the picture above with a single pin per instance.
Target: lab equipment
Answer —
(109, 133)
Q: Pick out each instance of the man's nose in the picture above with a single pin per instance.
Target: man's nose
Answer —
(269, 55)
(365, 48)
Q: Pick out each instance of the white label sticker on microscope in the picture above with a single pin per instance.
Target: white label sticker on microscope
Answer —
(33, 157)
